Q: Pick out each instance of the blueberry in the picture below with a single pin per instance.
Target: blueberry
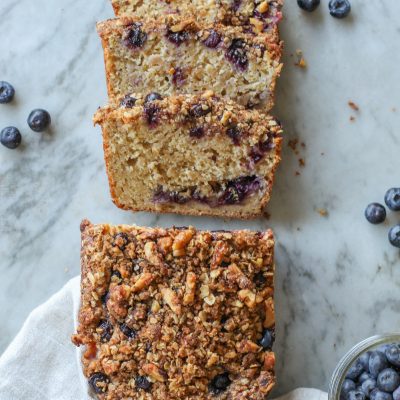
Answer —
(347, 386)
(375, 213)
(177, 37)
(142, 382)
(394, 236)
(128, 101)
(393, 354)
(237, 189)
(237, 54)
(267, 339)
(197, 132)
(364, 360)
(363, 377)
(234, 133)
(198, 110)
(213, 39)
(376, 394)
(388, 380)
(10, 137)
(368, 386)
(259, 279)
(377, 363)
(134, 37)
(7, 92)
(355, 370)
(392, 199)
(396, 394)
(106, 330)
(219, 383)
(356, 395)
(339, 8)
(99, 382)
(151, 114)
(121, 240)
(166, 196)
(39, 120)
(308, 5)
(152, 97)
(178, 77)
(128, 332)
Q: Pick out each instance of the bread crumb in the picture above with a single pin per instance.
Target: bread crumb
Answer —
(297, 173)
(322, 212)
(267, 215)
(354, 106)
(302, 162)
(301, 62)
(352, 118)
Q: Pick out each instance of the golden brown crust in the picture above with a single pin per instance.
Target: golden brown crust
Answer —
(170, 309)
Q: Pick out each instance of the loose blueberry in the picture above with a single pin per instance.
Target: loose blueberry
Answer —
(152, 97)
(237, 54)
(308, 5)
(347, 386)
(388, 380)
(375, 213)
(356, 395)
(197, 132)
(177, 37)
(10, 137)
(392, 199)
(178, 77)
(143, 383)
(198, 110)
(235, 134)
(396, 394)
(128, 332)
(377, 363)
(355, 370)
(364, 376)
(376, 394)
(128, 102)
(364, 360)
(99, 382)
(7, 92)
(219, 383)
(106, 330)
(134, 37)
(213, 39)
(368, 386)
(339, 8)
(393, 354)
(39, 120)
(394, 236)
(267, 340)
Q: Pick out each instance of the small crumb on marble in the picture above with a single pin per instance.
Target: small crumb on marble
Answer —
(352, 118)
(267, 215)
(302, 162)
(297, 173)
(301, 62)
(66, 269)
(354, 106)
(322, 212)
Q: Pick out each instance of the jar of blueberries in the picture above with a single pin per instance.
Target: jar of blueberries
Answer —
(370, 370)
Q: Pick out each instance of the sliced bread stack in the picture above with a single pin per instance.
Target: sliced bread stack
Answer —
(189, 84)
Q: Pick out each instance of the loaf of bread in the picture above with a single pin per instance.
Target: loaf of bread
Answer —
(233, 12)
(189, 154)
(173, 55)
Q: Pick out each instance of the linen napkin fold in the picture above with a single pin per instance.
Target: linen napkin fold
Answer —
(42, 364)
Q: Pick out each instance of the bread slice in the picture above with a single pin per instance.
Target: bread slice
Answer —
(176, 313)
(189, 154)
(233, 12)
(177, 56)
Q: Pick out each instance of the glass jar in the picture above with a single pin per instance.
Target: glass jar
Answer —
(348, 360)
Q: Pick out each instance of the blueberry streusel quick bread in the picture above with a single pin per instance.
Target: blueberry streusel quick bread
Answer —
(176, 313)
(233, 12)
(174, 55)
(195, 155)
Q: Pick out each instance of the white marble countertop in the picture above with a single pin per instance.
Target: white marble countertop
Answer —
(338, 279)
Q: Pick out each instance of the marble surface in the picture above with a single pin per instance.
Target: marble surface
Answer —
(338, 279)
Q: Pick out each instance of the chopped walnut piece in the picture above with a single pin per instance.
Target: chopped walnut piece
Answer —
(165, 244)
(190, 288)
(171, 298)
(247, 346)
(154, 372)
(118, 300)
(212, 360)
(181, 241)
(152, 254)
(269, 319)
(143, 281)
(269, 361)
(248, 297)
(220, 251)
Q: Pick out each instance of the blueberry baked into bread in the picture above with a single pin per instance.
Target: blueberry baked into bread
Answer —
(233, 12)
(174, 55)
(176, 313)
(189, 154)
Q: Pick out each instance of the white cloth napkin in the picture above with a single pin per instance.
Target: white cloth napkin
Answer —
(42, 364)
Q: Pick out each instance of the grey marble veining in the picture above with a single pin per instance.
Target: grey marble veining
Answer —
(338, 279)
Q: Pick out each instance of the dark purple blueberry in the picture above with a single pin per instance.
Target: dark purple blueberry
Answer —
(152, 97)
(355, 370)
(364, 360)
(39, 120)
(235, 134)
(116, 273)
(106, 330)
(177, 37)
(198, 110)
(99, 382)
(388, 380)
(213, 39)
(197, 132)
(151, 114)
(375, 213)
(376, 394)
(10, 137)
(259, 279)
(393, 354)
(134, 37)
(121, 240)
(394, 236)
(396, 394)
(224, 318)
(339, 8)
(308, 5)
(105, 297)
(7, 92)
(178, 77)
(392, 199)
(364, 376)
(143, 383)
(368, 386)
(219, 383)
(267, 339)
(237, 54)
(256, 154)
(128, 332)
(236, 4)
(267, 144)
(377, 363)
(162, 196)
(237, 189)
(347, 386)
(356, 395)
(128, 101)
